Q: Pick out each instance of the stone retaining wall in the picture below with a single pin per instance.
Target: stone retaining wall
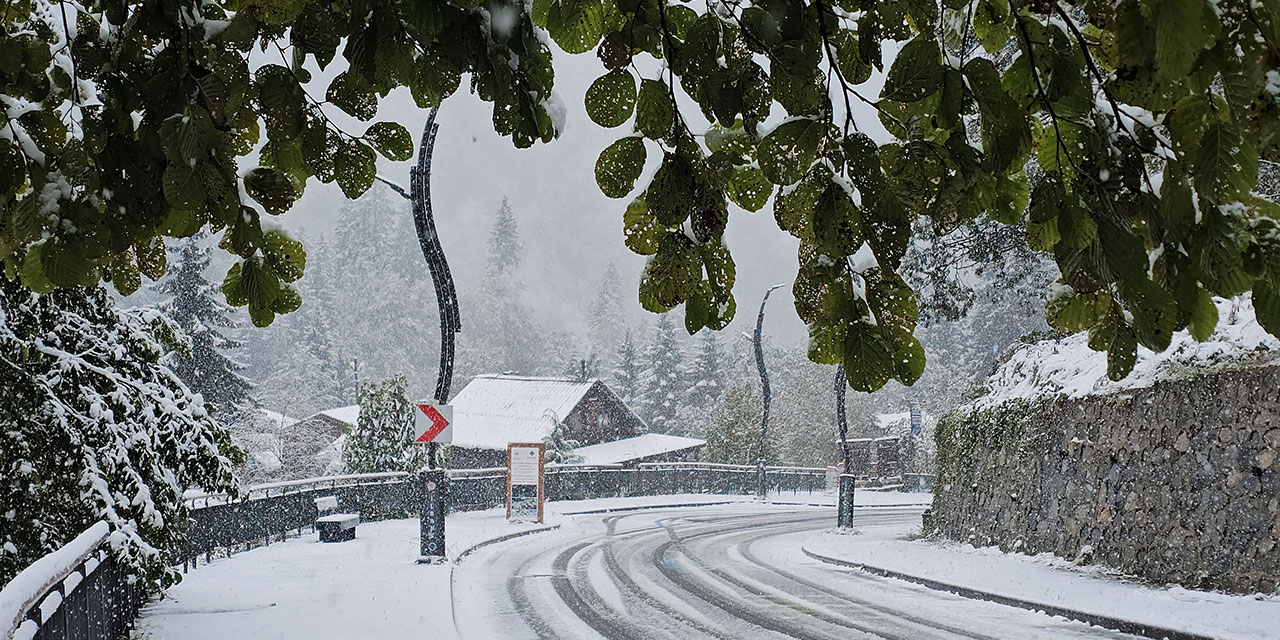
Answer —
(1178, 482)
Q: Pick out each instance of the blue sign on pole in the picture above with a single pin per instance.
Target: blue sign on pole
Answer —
(917, 421)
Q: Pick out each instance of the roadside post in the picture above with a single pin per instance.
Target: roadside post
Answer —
(525, 487)
(433, 426)
(844, 511)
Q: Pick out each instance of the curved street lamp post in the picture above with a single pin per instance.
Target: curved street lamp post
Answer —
(433, 483)
(762, 488)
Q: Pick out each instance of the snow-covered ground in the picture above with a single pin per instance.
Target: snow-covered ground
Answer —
(1068, 367)
(1052, 581)
(370, 587)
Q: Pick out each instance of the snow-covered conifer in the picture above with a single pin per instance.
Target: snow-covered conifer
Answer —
(382, 439)
(95, 428)
(199, 307)
(664, 380)
(734, 435)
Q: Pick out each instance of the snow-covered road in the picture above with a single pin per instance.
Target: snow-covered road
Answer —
(727, 572)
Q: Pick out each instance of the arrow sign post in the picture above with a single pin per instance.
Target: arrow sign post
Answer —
(433, 424)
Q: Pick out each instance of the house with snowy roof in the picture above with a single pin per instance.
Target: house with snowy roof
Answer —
(494, 410)
(333, 422)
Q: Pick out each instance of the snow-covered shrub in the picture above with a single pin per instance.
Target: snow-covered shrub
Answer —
(94, 428)
(382, 439)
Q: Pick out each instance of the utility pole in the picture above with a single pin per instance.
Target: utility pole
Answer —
(762, 488)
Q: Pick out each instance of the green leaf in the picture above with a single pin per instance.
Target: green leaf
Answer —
(271, 189)
(748, 188)
(233, 286)
(1122, 352)
(124, 273)
(284, 255)
(1266, 306)
(1226, 165)
(354, 168)
(826, 342)
(1204, 315)
(288, 301)
(619, 165)
(1184, 29)
(868, 359)
(151, 256)
(671, 194)
(786, 153)
(671, 275)
(793, 207)
(1006, 134)
(909, 360)
(67, 266)
(837, 225)
(391, 139)
(654, 113)
(352, 93)
(641, 229)
(576, 25)
(611, 98)
(183, 186)
(32, 271)
(916, 72)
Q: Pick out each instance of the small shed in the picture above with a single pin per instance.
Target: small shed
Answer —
(650, 447)
(494, 410)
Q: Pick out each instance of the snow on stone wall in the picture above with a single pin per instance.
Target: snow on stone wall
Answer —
(1176, 482)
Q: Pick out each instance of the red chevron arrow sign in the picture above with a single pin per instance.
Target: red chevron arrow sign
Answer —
(433, 423)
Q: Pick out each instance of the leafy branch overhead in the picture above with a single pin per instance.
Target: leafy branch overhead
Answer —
(1125, 136)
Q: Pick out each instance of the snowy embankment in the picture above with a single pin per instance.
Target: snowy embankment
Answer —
(1052, 582)
(1068, 367)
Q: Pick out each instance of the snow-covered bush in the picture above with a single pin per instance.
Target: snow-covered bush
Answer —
(94, 428)
(382, 439)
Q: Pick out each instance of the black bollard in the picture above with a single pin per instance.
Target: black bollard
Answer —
(433, 492)
(844, 512)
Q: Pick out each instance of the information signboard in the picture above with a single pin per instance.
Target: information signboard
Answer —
(525, 468)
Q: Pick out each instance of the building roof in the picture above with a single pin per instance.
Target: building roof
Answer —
(637, 448)
(349, 414)
(494, 410)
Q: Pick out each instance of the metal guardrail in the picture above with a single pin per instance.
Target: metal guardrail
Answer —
(82, 594)
(269, 513)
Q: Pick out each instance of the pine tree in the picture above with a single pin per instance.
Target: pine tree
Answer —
(199, 308)
(559, 449)
(734, 436)
(705, 377)
(627, 372)
(606, 319)
(502, 336)
(97, 429)
(505, 248)
(664, 380)
(382, 439)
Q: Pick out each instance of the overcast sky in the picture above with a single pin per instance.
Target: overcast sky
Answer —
(570, 230)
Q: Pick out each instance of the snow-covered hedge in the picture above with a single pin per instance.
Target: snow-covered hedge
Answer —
(95, 429)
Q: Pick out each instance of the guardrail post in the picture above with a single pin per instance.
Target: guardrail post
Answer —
(844, 512)
(433, 489)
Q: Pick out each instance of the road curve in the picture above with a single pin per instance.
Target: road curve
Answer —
(725, 572)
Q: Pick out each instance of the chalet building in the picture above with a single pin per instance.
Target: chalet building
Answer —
(332, 422)
(494, 410)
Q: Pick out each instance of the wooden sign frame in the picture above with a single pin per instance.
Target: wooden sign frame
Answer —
(542, 472)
